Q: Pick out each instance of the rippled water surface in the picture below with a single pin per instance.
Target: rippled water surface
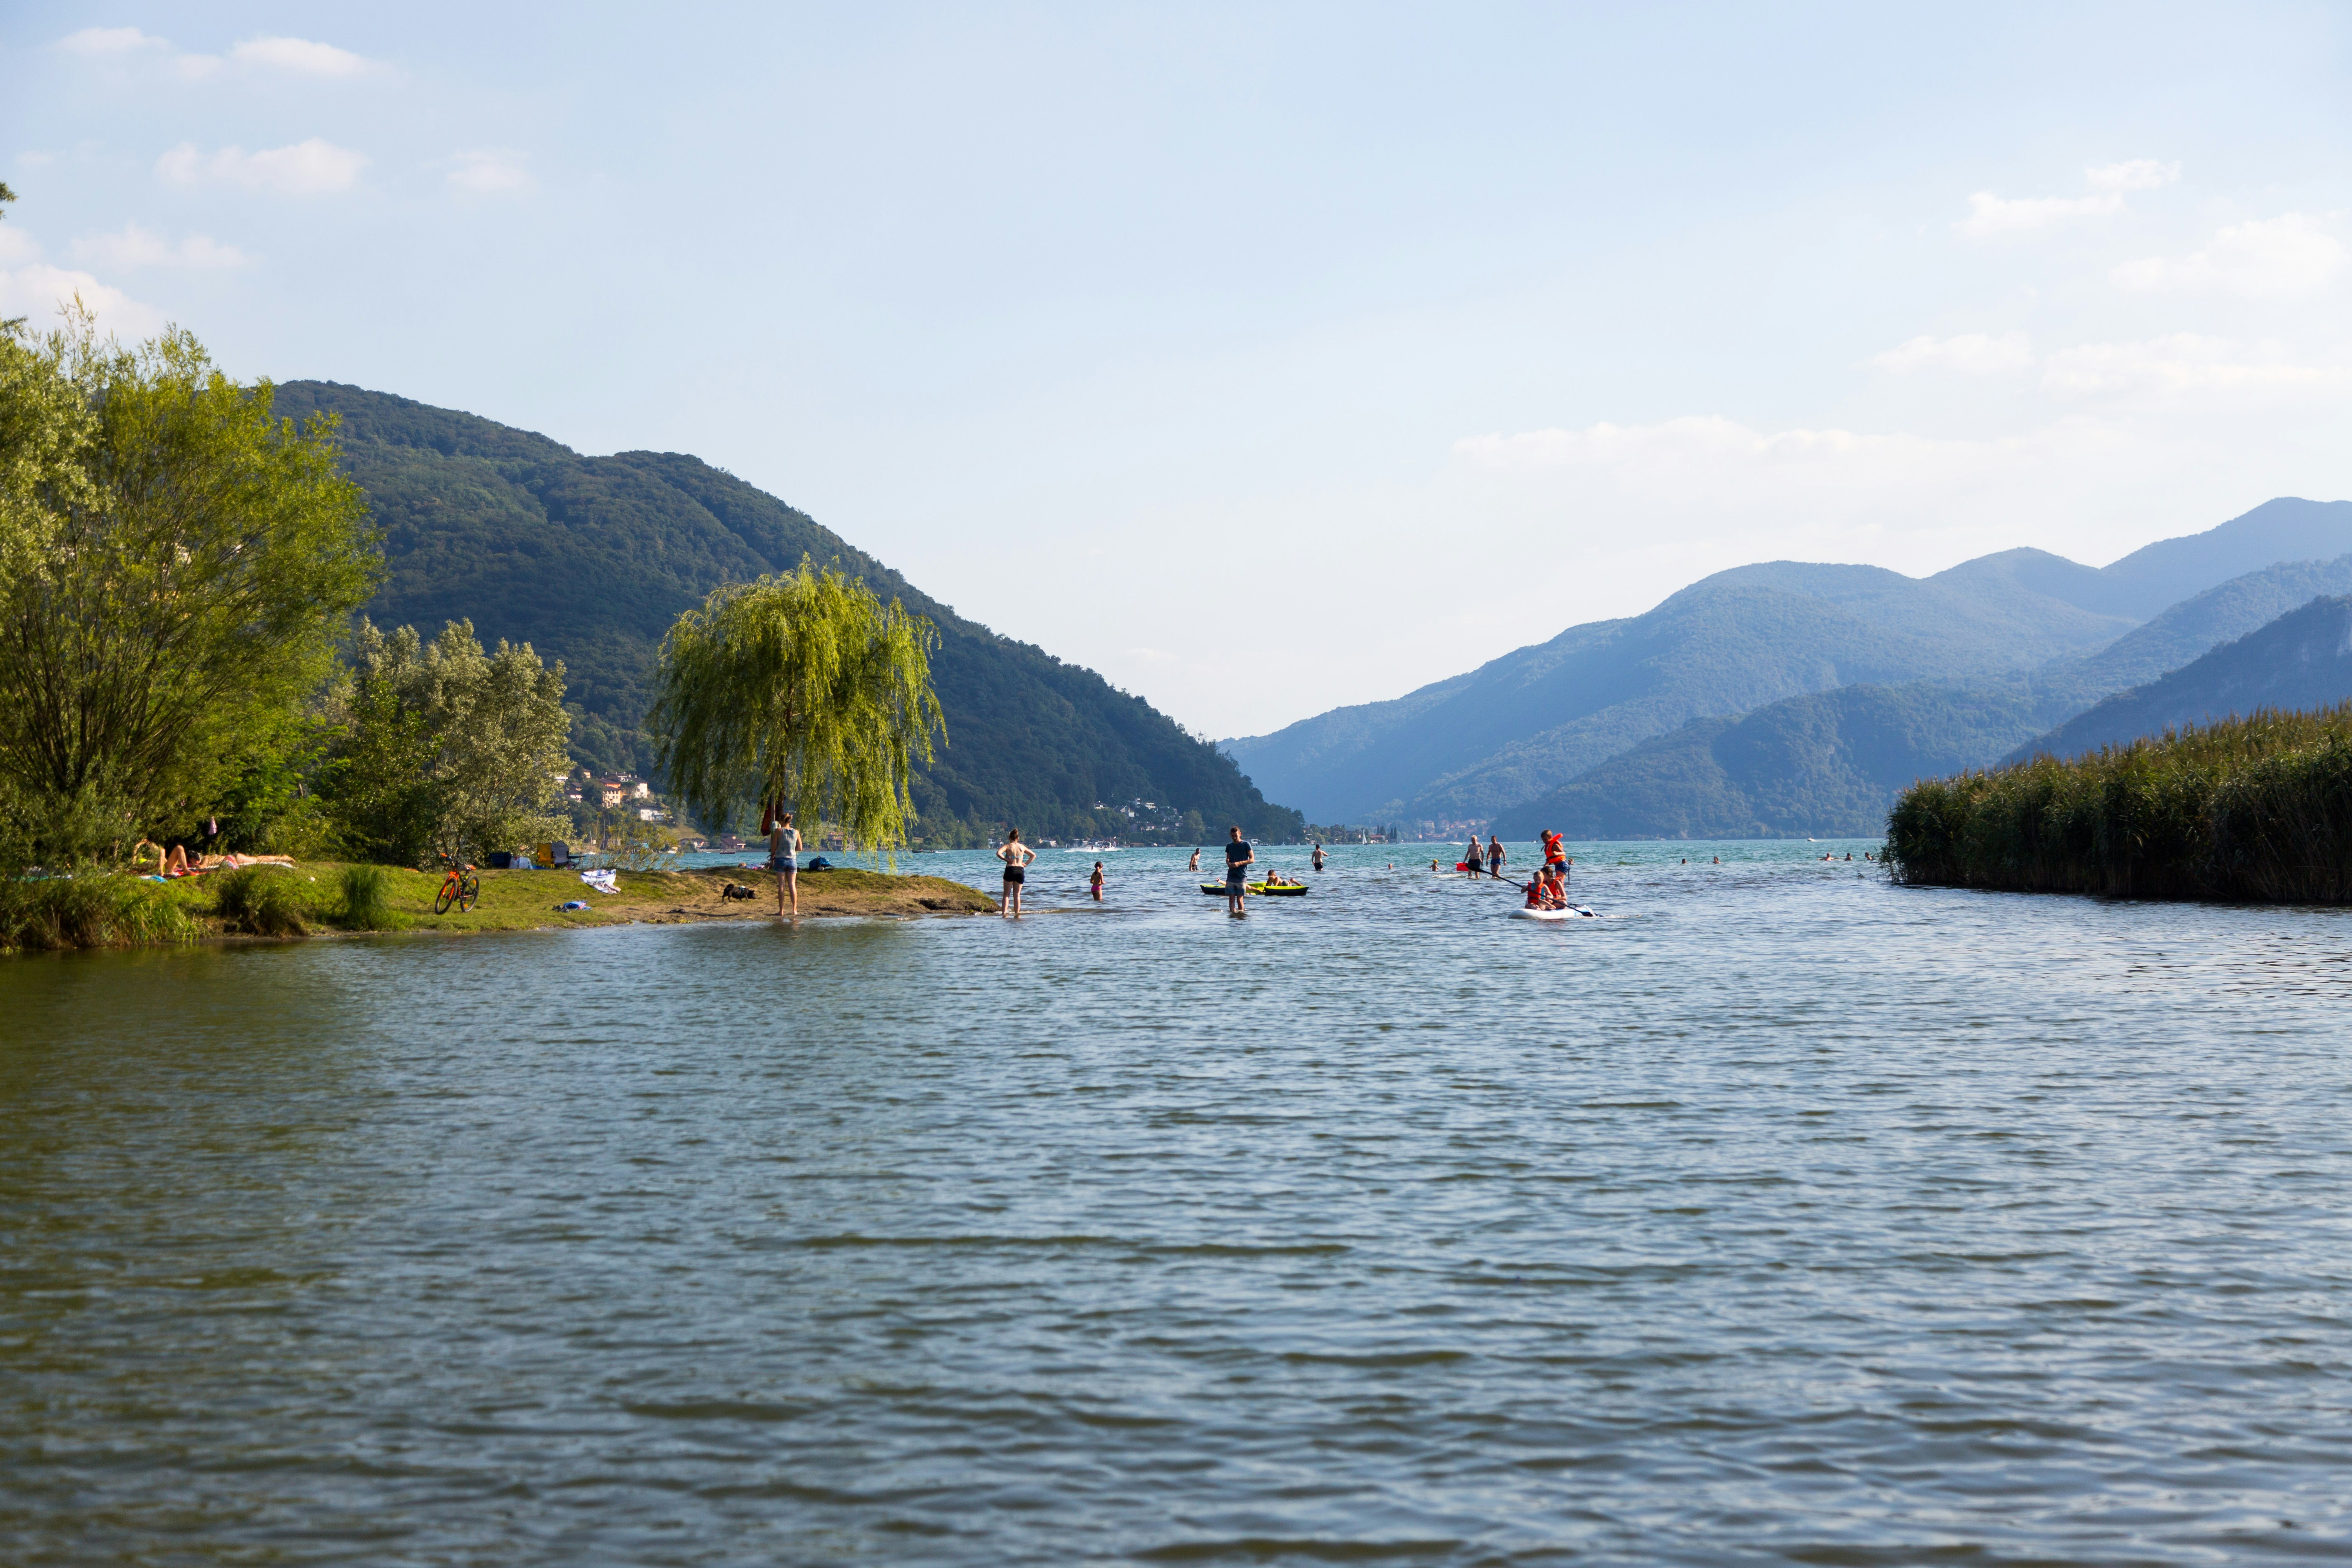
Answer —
(1786, 1216)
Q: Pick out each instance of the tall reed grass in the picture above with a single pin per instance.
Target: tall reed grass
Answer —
(92, 910)
(2256, 809)
(263, 900)
(367, 899)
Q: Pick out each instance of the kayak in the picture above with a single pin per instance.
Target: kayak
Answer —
(1570, 914)
(1260, 888)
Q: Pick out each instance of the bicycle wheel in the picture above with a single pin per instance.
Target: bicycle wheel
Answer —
(468, 891)
(447, 895)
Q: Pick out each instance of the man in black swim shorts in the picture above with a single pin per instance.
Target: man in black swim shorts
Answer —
(1238, 860)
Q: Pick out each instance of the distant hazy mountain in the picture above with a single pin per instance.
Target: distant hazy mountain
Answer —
(590, 559)
(1743, 639)
(2302, 659)
(1828, 763)
(2187, 630)
(1833, 762)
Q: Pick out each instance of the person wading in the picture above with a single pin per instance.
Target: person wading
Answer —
(1239, 857)
(1016, 857)
(1474, 860)
(1495, 858)
(785, 860)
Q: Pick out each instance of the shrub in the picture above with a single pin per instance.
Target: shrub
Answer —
(262, 899)
(94, 909)
(367, 899)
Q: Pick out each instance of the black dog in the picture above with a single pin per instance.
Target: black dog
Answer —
(737, 891)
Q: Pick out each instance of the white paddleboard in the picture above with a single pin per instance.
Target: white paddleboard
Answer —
(1567, 914)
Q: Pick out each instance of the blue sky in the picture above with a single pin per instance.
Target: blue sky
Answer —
(1266, 358)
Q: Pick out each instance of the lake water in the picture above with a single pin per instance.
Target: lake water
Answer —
(1786, 1216)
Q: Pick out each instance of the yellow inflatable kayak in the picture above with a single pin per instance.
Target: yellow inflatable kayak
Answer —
(1287, 890)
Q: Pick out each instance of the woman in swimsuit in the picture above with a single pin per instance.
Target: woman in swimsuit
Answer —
(1096, 881)
(785, 860)
(1016, 857)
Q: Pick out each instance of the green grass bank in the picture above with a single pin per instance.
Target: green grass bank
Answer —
(2253, 810)
(321, 896)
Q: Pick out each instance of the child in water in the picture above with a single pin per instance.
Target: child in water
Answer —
(1096, 881)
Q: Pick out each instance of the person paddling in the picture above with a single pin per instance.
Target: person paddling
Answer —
(1016, 857)
(1239, 857)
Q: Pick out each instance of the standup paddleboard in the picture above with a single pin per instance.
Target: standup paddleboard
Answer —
(1570, 914)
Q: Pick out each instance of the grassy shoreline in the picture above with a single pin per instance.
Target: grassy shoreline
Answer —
(312, 897)
(2255, 810)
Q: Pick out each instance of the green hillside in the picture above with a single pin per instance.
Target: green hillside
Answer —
(1828, 763)
(590, 559)
(2301, 661)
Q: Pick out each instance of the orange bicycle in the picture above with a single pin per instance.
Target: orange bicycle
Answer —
(459, 885)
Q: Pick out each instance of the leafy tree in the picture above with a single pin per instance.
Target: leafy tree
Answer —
(176, 564)
(442, 745)
(804, 688)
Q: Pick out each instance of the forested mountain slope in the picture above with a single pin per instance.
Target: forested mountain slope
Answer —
(1474, 744)
(1832, 762)
(2302, 659)
(1743, 639)
(1828, 763)
(590, 559)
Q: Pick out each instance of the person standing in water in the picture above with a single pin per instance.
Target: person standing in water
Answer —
(1319, 857)
(1239, 857)
(1196, 859)
(1096, 881)
(1016, 857)
(1474, 860)
(1494, 858)
(785, 860)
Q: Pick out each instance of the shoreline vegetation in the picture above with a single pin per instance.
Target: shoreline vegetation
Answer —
(2255, 810)
(325, 898)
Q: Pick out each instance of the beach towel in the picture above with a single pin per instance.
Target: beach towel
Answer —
(602, 882)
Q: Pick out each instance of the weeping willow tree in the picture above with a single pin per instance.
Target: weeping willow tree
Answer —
(804, 690)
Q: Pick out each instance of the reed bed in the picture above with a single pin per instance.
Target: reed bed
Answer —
(2256, 809)
(91, 910)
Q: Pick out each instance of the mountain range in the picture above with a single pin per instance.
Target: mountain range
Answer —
(1789, 697)
(589, 559)
(2300, 660)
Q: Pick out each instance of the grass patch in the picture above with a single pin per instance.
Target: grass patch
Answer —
(2256, 809)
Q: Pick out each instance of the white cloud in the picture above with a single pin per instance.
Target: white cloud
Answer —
(1991, 215)
(2187, 365)
(110, 41)
(491, 171)
(17, 246)
(307, 168)
(2287, 256)
(2138, 174)
(1972, 353)
(39, 289)
(299, 55)
(136, 247)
